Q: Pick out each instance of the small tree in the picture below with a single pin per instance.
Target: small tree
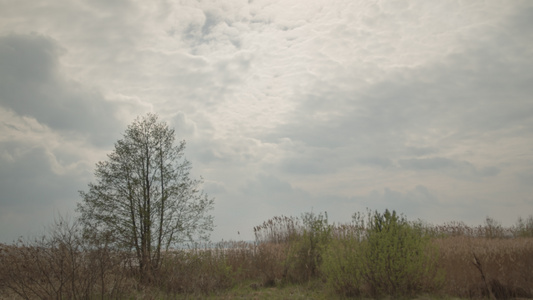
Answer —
(144, 195)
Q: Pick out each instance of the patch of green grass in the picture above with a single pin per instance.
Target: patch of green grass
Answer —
(253, 290)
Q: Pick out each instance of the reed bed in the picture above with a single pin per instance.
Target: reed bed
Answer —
(487, 267)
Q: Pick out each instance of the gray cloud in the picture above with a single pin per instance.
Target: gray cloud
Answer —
(30, 177)
(419, 151)
(310, 162)
(32, 85)
(376, 161)
(32, 192)
(462, 169)
(432, 163)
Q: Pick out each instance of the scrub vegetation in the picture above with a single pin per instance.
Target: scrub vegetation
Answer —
(376, 255)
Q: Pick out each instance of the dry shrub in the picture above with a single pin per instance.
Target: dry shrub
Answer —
(195, 271)
(491, 229)
(61, 265)
(290, 248)
(240, 257)
(269, 262)
(523, 227)
(215, 268)
(280, 229)
(482, 267)
(306, 251)
(273, 239)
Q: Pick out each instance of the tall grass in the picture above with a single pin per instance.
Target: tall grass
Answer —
(485, 267)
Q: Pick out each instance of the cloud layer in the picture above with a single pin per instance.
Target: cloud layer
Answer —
(286, 107)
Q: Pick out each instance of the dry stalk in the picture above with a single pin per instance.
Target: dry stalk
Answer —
(478, 265)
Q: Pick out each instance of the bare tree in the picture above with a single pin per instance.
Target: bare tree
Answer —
(144, 195)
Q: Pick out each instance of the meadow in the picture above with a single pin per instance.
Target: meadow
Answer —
(375, 255)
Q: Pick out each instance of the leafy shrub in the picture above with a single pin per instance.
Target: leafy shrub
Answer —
(384, 255)
(398, 257)
(342, 266)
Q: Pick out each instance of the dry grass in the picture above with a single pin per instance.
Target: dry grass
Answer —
(484, 267)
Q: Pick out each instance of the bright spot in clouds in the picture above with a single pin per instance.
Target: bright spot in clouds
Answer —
(424, 107)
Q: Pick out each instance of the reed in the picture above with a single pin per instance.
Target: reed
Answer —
(483, 267)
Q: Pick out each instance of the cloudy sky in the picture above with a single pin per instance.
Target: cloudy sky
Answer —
(287, 106)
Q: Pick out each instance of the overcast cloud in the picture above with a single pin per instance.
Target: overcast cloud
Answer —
(286, 106)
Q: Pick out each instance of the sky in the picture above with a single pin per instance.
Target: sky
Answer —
(287, 106)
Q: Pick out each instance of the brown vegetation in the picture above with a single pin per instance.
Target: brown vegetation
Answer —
(61, 265)
(481, 262)
(479, 267)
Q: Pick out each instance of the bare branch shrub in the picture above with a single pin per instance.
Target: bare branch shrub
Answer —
(60, 265)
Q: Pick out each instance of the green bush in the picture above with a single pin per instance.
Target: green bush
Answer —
(383, 255)
(398, 259)
(342, 266)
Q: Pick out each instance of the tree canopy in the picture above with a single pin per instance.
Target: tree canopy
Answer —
(144, 196)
